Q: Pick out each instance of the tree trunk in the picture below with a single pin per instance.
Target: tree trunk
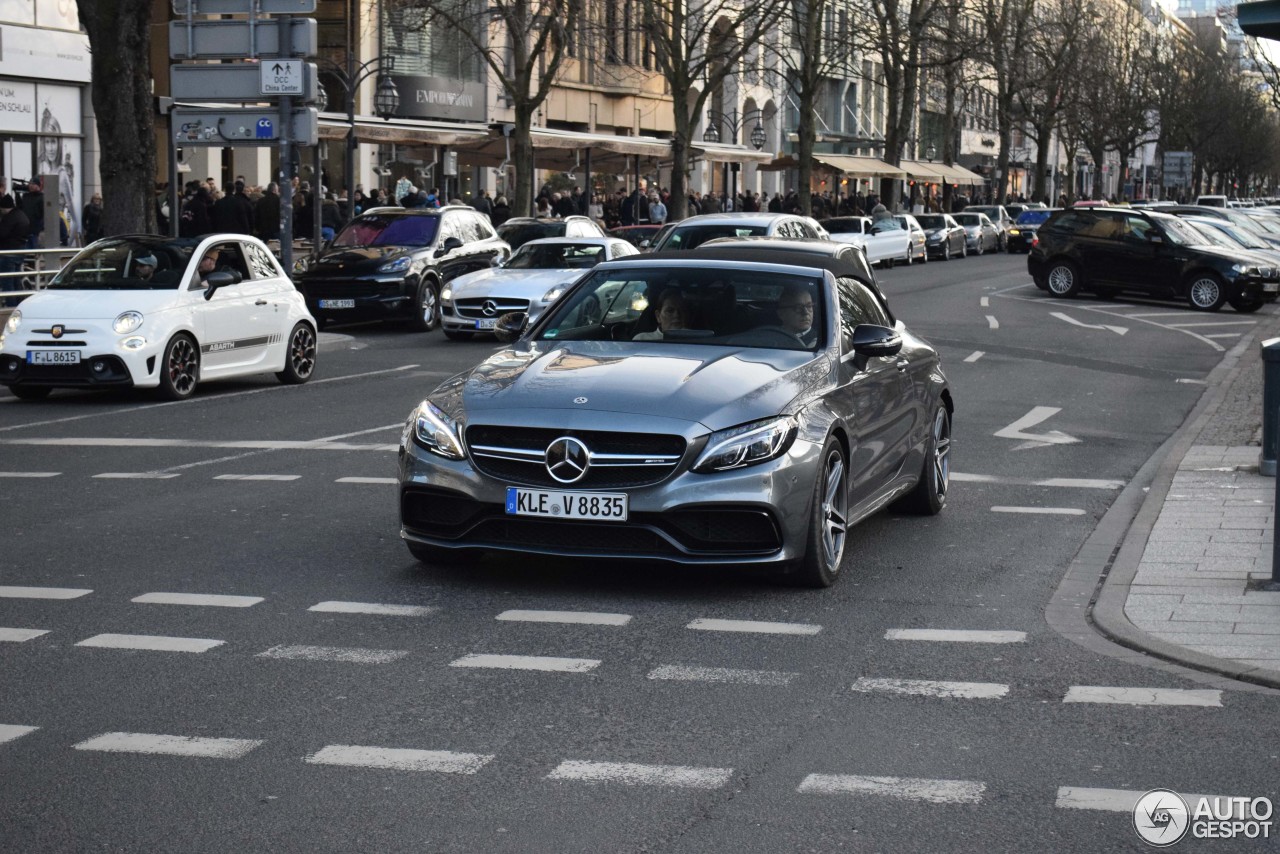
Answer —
(120, 42)
(1098, 190)
(678, 207)
(522, 152)
(807, 135)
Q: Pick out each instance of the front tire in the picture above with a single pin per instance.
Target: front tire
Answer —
(930, 493)
(180, 368)
(426, 307)
(1205, 292)
(1064, 279)
(1244, 305)
(299, 356)
(828, 521)
(946, 251)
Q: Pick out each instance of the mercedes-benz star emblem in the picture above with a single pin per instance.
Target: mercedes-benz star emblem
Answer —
(567, 460)
(579, 400)
(489, 309)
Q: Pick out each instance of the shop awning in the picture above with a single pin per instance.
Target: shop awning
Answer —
(957, 174)
(847, 164)
(723, 152)
(403, 131)
(922, 171)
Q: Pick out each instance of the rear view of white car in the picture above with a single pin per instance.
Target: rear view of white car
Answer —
(884, 240)
(156, 312)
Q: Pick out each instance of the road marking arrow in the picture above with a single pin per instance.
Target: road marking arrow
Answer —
(1119, 330)
(1035, 440)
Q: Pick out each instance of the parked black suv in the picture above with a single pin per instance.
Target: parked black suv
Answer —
(1109, 250)
(392, 263)
(519, 230)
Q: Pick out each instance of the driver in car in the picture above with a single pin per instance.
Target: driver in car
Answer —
(672, 313)
(208, 264)
(144, 266)
(796, 313)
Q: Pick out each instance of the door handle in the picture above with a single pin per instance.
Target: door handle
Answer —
(903, 364)
(261, 302)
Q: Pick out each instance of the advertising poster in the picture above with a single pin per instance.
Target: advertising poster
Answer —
(58, 109)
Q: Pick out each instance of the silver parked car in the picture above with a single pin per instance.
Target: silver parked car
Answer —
(684, 408)
(692, 232)
(980, 234)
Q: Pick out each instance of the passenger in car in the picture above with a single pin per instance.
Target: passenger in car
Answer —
(672, 313)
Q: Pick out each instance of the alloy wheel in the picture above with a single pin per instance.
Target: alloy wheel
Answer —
(1061, 279)
(182, 365)
(941, 470)
(302, 351)
(834, 510)
(1206, 292)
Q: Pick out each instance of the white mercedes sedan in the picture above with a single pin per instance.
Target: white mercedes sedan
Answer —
(157, 312)
(529, 281)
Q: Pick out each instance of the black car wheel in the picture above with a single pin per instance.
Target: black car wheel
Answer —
(1205, 292)
(1063, 279)
(1246, 305)
(946, 251)
(828, 521)
(964, 250)
(30, 392)
(978, 251)
(299, 357)
(930, 493)
(179, 368)
(426, 308)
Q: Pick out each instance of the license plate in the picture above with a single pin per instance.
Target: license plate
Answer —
(337, 303)
(53, 357)
(1270, 287)
(610, 507)
(487, 323)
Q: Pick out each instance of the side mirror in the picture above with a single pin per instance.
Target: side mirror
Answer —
(1155, 238)
(871, 340)
(450, 244)
(220, 279)
(510, 325)
(497, 261)
(645, 243)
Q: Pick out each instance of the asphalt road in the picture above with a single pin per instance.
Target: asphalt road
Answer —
(648, 728)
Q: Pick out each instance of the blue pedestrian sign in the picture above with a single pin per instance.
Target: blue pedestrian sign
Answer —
(266, 130)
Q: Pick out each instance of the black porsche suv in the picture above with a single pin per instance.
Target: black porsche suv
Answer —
(1110, 250)
(392, 263)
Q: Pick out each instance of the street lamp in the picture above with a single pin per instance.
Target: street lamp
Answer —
(931, 153)
(386, 101)
(735, 124)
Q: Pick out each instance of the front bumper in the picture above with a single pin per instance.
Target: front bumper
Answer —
(103, 362)
(371, 297)
(756, 515)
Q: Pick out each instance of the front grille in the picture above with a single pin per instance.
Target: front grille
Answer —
(347, 289)
(515, 455)
(474, 307)
(113, 372)
(61, 342)
(741, 530)
(571, 536)
(438, 511)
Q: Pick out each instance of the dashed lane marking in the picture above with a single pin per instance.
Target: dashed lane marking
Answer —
(1191, 381)
(1043, 511)
(373, 608)
(210, 600)
(753, 627)
(1214, 323)
(992, 323)
(984, 302)
(680, 673)
(930, 688)
(1108, 800)
(382, 429)
(587, 618)
(905, 788)
(527, 662)
(12, 732)
(400, 759)
(955, 635)
(169, 745)
(29, 473)
(269, 477)
(1143, 696)
(1065, 482)
(151, 643)
(42, 593)
(975, 356)
(348, 655)
(203, 444)
(1226, 335)
(21, 635)
(631, 774)
(378, 480)
(135, 475)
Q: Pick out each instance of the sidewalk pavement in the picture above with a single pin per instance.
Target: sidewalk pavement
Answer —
(1199, 549)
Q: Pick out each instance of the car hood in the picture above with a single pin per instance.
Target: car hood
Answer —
(357, 258)
(94, 305)
(520, 283)
(718, 387)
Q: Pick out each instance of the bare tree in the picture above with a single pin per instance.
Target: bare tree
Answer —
(524, 43)
(697, 47)
(120, 41)
(1055, 61)
(1007, 30)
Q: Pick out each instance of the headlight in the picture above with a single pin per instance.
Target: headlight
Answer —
(14, 321)
(437, 432)
(1246, 270)
(554, 294)
(400, 265)
(746, 445)
(1014, 231)
(446, 295)
(127, 322)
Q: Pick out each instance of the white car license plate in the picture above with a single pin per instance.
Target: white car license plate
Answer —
(1270, 287)
(53, 357)
(610, 507)
(487, 323)
(337, 303)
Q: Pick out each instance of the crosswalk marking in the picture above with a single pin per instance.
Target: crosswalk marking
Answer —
(400, 759)
(931, 688)
(152, 643)
(42, 593)
(169, 745)
(1043, 511)
(955, 635)
(348, 655)
(29, 473)
(1110, 800)
(211, 600)
(12, 732)
(680, 673)
(907, 788)
(1143, 696)
(379, 480)
(753, 626)
(632, 774)
(374, 608)
(135, 475)
(21, 635)
(270, 477)
(975, 356)
(588, 618)
(527, 662)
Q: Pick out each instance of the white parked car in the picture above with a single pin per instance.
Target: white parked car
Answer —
(919, 243)
(885, 240)
(529, 281)
(158, 312)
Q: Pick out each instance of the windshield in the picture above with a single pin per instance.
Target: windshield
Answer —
(556, 256)
(968, 219)
(1183, 233)
(1033, 217)
(847, 225)
(388, 230)
(715, 306)
(120, 265)
(692, 236)
(1263, 224)
(931, 221)
(982, 209)
(1217, 236)
(519, 233)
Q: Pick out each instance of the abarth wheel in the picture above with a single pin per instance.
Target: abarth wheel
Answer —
(299, 357)
(1063, 279)
(828, 521)
(930, 493)
(1205, 292)
(426, 309)
(179, 368)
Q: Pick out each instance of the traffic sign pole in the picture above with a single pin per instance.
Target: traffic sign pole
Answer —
(286, 156)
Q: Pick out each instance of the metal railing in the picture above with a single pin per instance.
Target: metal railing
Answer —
(38, 267)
